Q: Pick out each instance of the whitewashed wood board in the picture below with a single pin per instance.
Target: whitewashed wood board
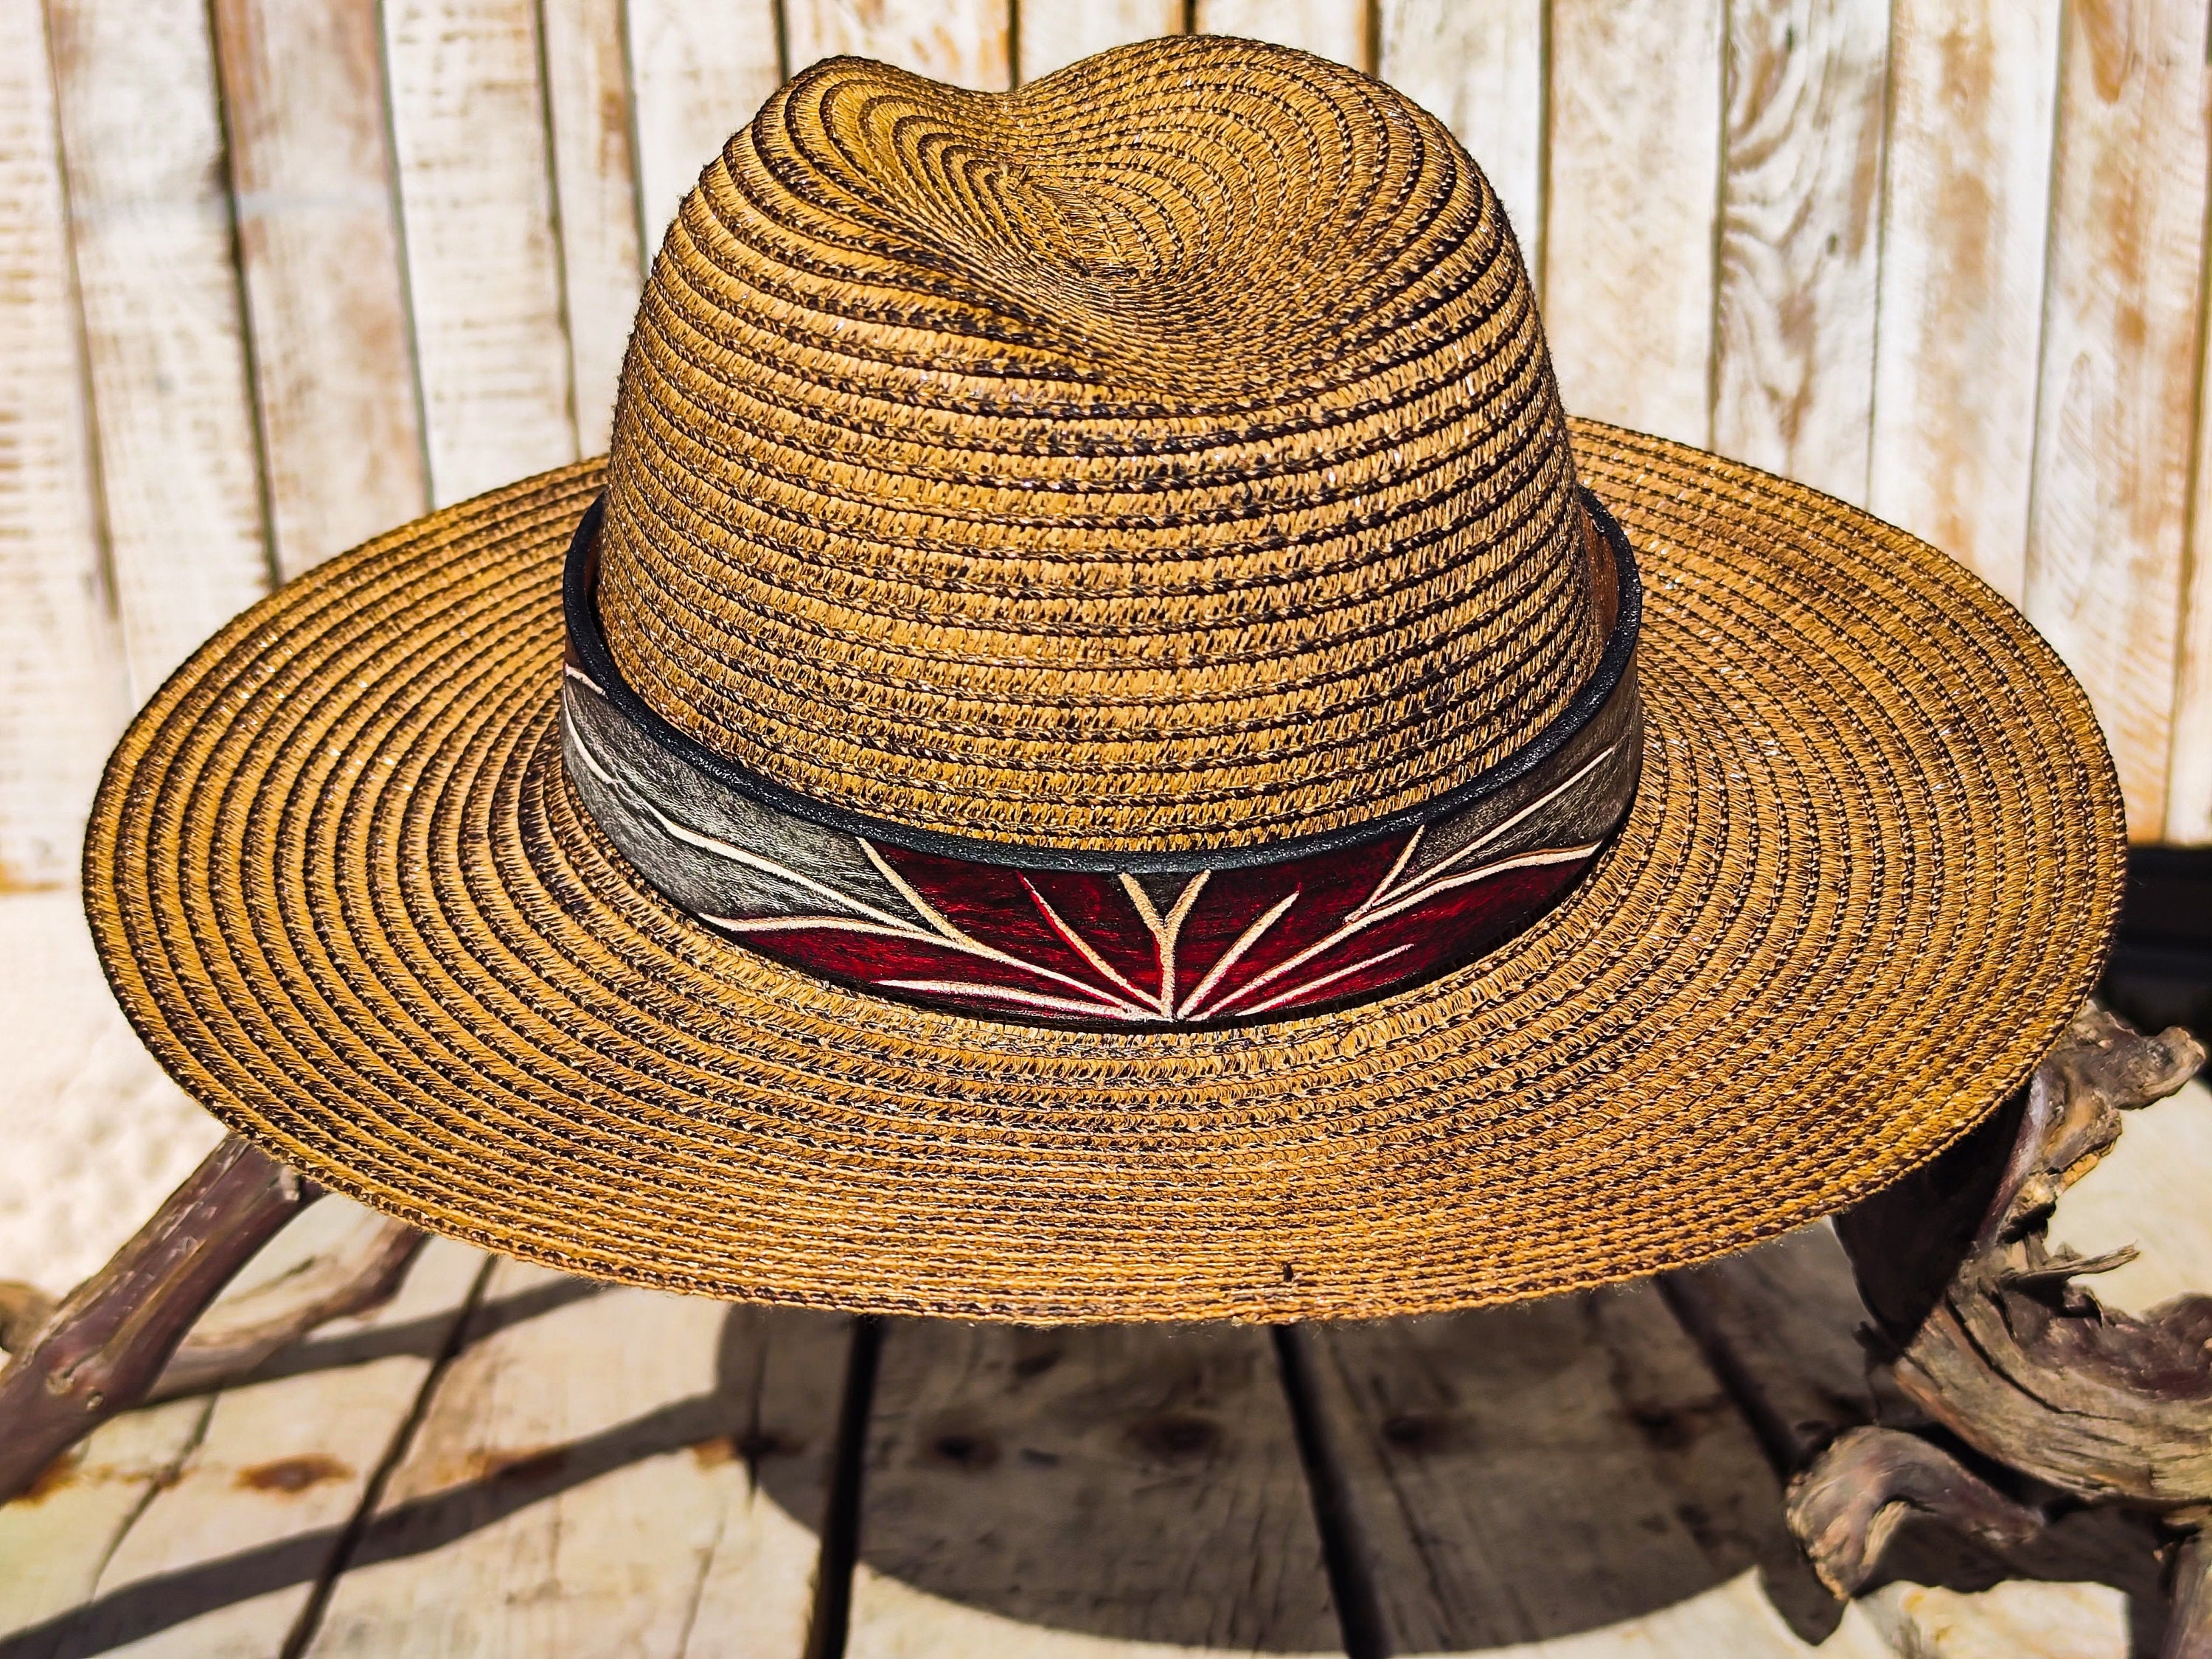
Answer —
(1053, 33)
(616, 1471)
(165, 344)
(1480, 69)
(964, 43)
(1965, 216)
(698, 73)
(589, 119)
(1563, 1478)
(63, 693)
(1336, 29)
(2122, 317)
(1630, 208)
(313, 195)
(483, 279)
(1801, 199)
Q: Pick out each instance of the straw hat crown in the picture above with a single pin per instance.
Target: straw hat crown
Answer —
(1165, 455)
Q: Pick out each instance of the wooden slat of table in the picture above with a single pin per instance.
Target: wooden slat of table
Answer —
(587, 121)
(1793, 381)
(962, 42)
(318, 243)
(1630, 211)
(2118, 378)
(1964, 226)
(1329, 28)
(1480, 69)
(622, 1472)
(2189, 776)
(56, 1540)
(1562, 1478)
(475, 182)
(222, 1553)
(62, 684)
(1056, 1494)
(1056, 33)
(164, 329)
(696, 75)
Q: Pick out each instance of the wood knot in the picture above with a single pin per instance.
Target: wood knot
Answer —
(1173, 1435)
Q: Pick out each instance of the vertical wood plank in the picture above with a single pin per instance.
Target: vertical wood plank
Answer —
(1055, 33)
(319, 241)
(1801, 195)
(468, 126)
(619, 1472)
(1055, 1494)
(62, 686)
(1566, 1475)
(698, 74)
(150, 218)
(587, 108)
(1968, 196)
(961, 42)
(1480, 69)
(1327, 29)
(1630, 215)
(2189, 778)
(2117, 392)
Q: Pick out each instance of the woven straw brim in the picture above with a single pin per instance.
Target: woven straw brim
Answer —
(341, 887)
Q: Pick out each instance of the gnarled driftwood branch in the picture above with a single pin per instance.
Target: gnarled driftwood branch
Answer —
(1987, 1329)
(119, 1338)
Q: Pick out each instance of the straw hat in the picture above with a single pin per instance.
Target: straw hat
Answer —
(1118, 756)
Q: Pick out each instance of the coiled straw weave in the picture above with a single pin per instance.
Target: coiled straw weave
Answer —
(343, 890)
(1163, 455)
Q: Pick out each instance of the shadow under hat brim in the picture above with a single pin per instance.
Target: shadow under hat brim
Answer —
(341, 887)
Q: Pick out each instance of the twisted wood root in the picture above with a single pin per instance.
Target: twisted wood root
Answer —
(1986, 1329)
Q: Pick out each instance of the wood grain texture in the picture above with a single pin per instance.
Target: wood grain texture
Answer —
(587, 121)
(2189, 774)
(961, 42)
(604, 1471)
(1046, 1494)
(469, 142)
(1787, 1316)
(2112, 443)
(1329, 28)
(141, 137)
(1793, 388)
(696, 75)
(318, 241)
(1965, 219)
(1631, 211)
(1480, 69)
(223, 1562)
(62, 685)
(56, 1538)
(1055, 33)
(2018, 1619)
(1563, 1477)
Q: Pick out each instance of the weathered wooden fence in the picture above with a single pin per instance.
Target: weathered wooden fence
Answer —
(274, 276)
